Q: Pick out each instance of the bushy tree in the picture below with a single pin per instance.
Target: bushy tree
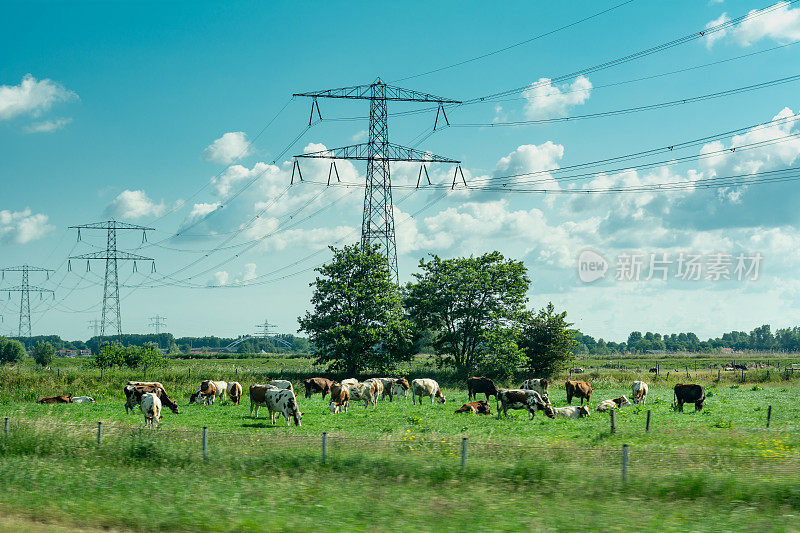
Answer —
(469, 303)
(109, 355)
(43, 353)
(547, 341)
(150, 357)
(13, 352)
(358, 322)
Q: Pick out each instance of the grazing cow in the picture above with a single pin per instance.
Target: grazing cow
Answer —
(284, 384)
(145, 384)
(133, 396)
(426, 387)
(689, 393)
(350, 381)
(151, 409)
(639, 392)
(653, 370)
(616, 403)
(277, 401)
(235, 392)
(340, 397)
(400, 387)
(476, 385)
(578, 389)
(572, 411)
(480, 407)
(83, 399)
(367, 391)
(539, 385)
(205, 394)
(386, 383)
(64, 398)
(522, 399)
(322, 385)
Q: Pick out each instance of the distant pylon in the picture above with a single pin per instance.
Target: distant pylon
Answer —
(111, 318)
(266, 329)
(25, 289)
(377, 223)
(158, 322)
(94, 325)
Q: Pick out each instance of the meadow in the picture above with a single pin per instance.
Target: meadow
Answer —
(720, 469)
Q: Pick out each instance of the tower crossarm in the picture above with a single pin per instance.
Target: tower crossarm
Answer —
(114, 254)
(112, 224)
(25, 268)
(365, 92)
(394, 152)
(29, 288)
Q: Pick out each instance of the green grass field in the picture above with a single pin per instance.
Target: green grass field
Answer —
(717, 470)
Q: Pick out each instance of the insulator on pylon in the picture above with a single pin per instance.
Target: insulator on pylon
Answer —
(153, 268)
(88, 267)
(69, 265)
(79, 234)
(134, 266)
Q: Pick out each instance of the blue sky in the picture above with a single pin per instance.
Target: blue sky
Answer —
(139, 111)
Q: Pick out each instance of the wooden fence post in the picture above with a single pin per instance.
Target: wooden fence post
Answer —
(5, 427)
(624, 462)
(463, 453)
(769, 414)
(205, 443)
(613, 421)
(99, 432)
(647, 425)
(324, 447)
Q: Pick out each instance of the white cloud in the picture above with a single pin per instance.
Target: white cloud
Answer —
(133, 204)
(530, 158)
(48, 126)
(223, 278)
(713, 37)
(545, 100)
(778, 22)
(21, 227)
(32, 97)
(228, 148)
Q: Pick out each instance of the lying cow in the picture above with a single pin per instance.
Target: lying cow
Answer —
(572, 411)
(480, 407)
(578, 389)
(322, 385)
(689, 393)
(64, 398)
(616, 403)
(522, 399)
(639, 392)
(426, 387)
(400, 388)
(83, 399)
(134, 393)
(206, 393)
(151, 409)
(235, 392)
(277, 401)
(477, 385)
(539, 385)
(340, 398)
(368, 392)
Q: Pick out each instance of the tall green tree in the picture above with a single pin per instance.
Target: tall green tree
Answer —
(43, 353)
(109, 355)
(547, 341)
(150, 357)
(472, 304)
(357, 322)
(13, 352)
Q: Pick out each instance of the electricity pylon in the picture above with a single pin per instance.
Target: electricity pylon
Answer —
(25, 289)
(377, 223)
(266, 329)
(94, 325)
(157, 322)
(111, 317)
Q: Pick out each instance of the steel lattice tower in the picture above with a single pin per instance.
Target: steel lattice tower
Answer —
(377, 224)
(157, 322)
(25, 289)
(111, 316)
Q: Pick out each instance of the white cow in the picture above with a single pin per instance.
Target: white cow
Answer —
(572, 411)
(539, 385)
(426, 387)
(368, 391)
(638, 392)
(151, 409)
(283, 384)
(83, 399)
(616, 403)
(350, 381)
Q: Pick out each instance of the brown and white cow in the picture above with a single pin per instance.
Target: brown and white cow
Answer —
(206, 393)
(481, 407)
(639, 392)
(578, 389)
(340, 398)
(151, 409)
(322, 385)
(572, 411)
(350, 381)
(235, 392)
(386, 383)
(282, 384)
(400, 388)
(477, 385)
(64, 398)
(133, 395)
(426, 387)
(522, 399)
(615, 403)
(368, 392)
(277, 401)
(540, 385)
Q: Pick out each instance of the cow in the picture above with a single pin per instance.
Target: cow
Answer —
(639, 392)
(522, 399)
(572, 411)
(539, 385)
(426, 387)
(205, 394)
(145, 384)
(350, 381)
(83, 399)
(133, 395)
(340, 397)
(477, 385)
(387, 387)
(616, 403)
(480, 407)
(322, 385)
(653, 370)
(400, 388)
(151, 409)
(367, 391)
(277, 400)
(64, 398)
(284, 384)
(689, 393)
(578, 389)
(235, 392)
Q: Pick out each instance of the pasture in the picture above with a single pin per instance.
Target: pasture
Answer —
(398, 461)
